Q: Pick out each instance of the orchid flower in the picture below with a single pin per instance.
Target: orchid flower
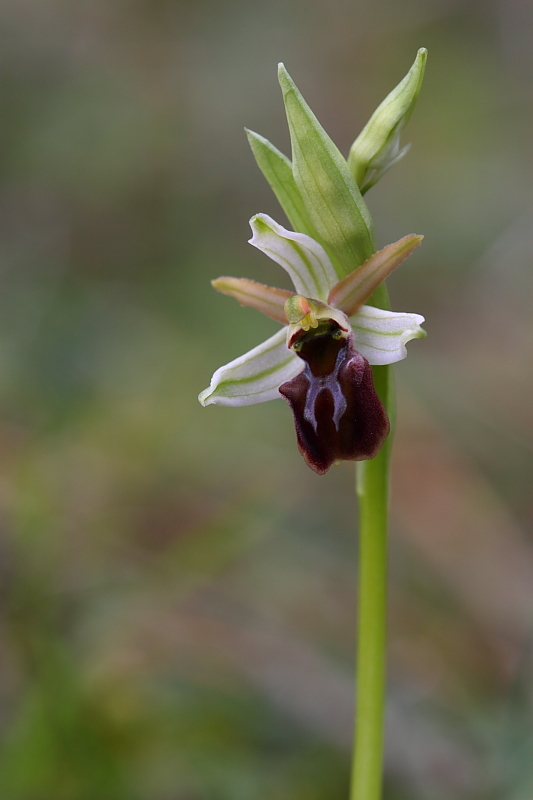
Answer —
(320, 360)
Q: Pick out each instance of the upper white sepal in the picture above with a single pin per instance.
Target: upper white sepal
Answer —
(306, 261)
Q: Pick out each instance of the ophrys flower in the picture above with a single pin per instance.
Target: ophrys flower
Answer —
(319, 361)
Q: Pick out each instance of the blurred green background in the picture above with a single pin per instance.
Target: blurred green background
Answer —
(178, 588)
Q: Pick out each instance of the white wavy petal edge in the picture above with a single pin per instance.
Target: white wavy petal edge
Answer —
(306, 261)
(380, 336)
(254, 377)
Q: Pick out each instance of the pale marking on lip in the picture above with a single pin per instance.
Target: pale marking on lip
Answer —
(318, 385)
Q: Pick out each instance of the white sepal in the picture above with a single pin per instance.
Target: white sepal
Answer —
(255, 376)
(381, 336)
(306, 261)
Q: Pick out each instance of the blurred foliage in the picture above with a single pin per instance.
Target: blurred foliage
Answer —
(177, 587)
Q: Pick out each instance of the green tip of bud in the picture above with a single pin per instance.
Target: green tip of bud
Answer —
(285, 81)
(283, 75)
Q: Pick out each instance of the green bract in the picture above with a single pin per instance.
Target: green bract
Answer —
(277, 169)
(329, 191)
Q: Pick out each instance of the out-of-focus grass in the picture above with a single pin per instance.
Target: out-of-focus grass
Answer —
(178, 595)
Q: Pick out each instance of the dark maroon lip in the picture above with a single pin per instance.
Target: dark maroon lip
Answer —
(320, 353)
(338, 415)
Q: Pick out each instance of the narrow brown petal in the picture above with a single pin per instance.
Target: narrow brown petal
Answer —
(350, 293)
(337, 412)
(267, 299)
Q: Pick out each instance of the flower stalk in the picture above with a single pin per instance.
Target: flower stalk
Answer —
(372, 486)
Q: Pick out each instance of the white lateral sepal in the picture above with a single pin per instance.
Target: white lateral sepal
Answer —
(255, 376)
(381, 336)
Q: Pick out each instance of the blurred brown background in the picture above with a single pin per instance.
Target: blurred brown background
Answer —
(178, 588)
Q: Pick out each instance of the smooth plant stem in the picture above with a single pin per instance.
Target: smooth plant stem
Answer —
(373, 492)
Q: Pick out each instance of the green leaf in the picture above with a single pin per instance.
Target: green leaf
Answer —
(377, 148)
(328, 189)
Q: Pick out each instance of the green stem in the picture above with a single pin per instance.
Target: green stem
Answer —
(373, 492)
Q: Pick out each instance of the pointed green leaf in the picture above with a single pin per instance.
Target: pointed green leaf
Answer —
(377, 148)
(277, 169)
(328, 188)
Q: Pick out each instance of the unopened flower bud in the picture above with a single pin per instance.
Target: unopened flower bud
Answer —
(377, 148)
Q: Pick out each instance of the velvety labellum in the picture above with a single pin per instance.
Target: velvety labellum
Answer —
(337, 412)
